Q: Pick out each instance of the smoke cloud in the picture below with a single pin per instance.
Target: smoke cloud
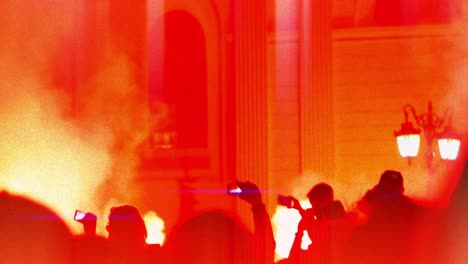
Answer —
(82, 158)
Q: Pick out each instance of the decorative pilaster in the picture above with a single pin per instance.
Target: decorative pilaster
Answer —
(251, 91)
(464, 9)
(316, 97)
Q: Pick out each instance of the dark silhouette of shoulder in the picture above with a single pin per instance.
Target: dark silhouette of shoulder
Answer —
(31, 232)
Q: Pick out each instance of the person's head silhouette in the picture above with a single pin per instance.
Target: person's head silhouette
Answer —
(390, 182)
(321, 195)
(126, 226)
(211, 237)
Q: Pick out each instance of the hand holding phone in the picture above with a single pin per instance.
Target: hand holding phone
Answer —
(287, 201)
(233, 189)
(79, 215)
(88, 220)
(246, 191)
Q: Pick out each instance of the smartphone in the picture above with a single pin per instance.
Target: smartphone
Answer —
(285, 201)
(233, 189)
(79, 215)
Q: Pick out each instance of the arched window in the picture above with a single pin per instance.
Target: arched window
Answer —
(178, 81)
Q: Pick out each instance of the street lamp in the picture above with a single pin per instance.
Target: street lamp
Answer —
(433, 127)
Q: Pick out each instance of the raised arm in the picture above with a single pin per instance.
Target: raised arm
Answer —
(265, 241)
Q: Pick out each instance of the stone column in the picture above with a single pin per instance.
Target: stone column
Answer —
(250, 90)
(464, 8)
(316, 95)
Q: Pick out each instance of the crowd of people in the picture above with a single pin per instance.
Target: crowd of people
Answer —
(396, 230)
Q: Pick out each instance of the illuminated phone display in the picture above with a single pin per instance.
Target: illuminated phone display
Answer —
(79, 215)
(233, 189)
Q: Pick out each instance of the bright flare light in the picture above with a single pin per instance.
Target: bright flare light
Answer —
(155, 227)
(285, 223)
(44, 159)
(306, 241)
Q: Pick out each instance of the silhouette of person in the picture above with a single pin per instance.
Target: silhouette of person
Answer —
(324, 223)
(31, 233)
(89, 249)
(385, 196)
(454, 233)
(127, 235)
(263, 232)
(126, 240)
(210, 237)
(216, 237)
(395, 227)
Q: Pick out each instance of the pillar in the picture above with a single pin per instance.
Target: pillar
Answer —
(316, 93)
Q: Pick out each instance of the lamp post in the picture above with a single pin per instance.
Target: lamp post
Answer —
(434, 128)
